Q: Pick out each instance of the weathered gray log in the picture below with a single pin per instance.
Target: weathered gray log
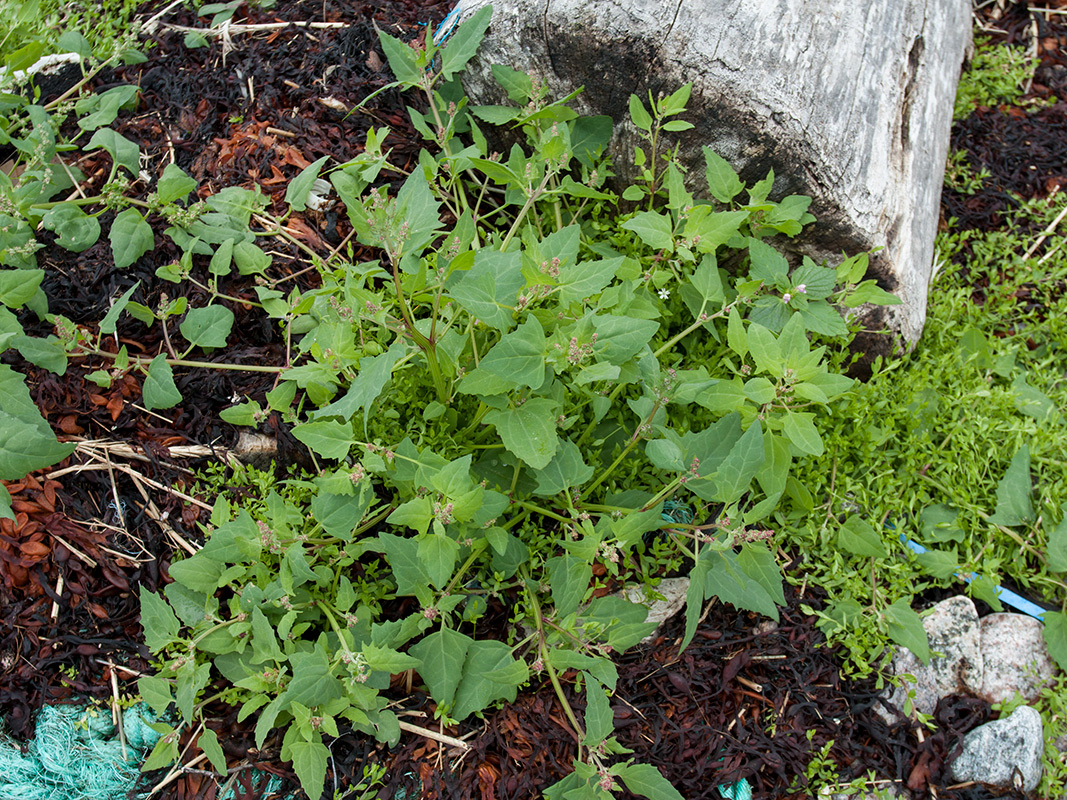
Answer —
(849, 102)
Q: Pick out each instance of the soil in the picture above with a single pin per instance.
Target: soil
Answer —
(746, 699)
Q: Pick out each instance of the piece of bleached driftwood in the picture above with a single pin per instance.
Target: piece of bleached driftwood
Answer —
(850, 103)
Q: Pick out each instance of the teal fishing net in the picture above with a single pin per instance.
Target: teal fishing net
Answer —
(76, 754)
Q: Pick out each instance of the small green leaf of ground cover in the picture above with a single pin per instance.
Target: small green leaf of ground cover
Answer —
(490, 288)
(163, 754)
(408, 570)
(442, 654)
(566, 469)
(207, 327)
(366, 387)
(938, 524)
(5, 504)
(639, 114)
(109, 323)
(740, 466)
(856, 536)
(338, 514)
(198, 572)
(103, 108)
(799, 428)
(818, 282)
(174, 184)
(1057, 545)
(313, 682)
(123, 152)
(645, 780)
(1056, 636)
(1013, 492)
(299, 188)
(328, 438)
(131, 237)
(757, 562)
(209, 744)
(599, 720)
(401, 59)
(586, 278)
(765, 350)
(906, 629)
(708, 282)
(727, 580)
(387, 659)
(621, 338)
(18, 286)
(569, 578)
(159, 623)
(310, 760)
(1032, 402)
(723, 182)
(159, 390)
(156, 692)
(518, 359)
(264, 643)
(476, 691)
(438, 554)
(941, 564)
(47, 353)
(714, 228)
(529, 431)
(768, 265)
(654, 229)
(75, 230)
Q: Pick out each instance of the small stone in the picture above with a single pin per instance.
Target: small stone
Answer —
(1005, 753)
(954, 631)
(765, 627)
(1015, 658)
(256, 449)
(659, 611)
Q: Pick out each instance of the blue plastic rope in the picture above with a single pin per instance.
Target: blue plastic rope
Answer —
(448, 24)
(1008, 597)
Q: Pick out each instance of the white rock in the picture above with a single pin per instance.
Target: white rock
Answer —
(1015, 658)
(1004, 753)
(659, 611)
(954, 632)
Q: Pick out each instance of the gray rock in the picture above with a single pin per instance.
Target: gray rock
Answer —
(659, 611)
(954, 632)
(1004, 753)
(850, 103)
(1015, 658)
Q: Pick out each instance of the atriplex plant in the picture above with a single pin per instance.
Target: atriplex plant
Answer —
(528, 384)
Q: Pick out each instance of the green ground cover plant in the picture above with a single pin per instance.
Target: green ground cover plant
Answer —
(529, 381)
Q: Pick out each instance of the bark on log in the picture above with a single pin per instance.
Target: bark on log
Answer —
(850, 103)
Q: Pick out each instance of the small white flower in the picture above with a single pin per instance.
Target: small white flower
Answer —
(786, 297)
(802, 289)
(664, 294)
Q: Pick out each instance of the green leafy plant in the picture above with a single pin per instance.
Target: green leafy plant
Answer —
(506, 398)
(997, 75)
(513, 391)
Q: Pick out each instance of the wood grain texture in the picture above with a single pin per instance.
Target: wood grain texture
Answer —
(850, 103)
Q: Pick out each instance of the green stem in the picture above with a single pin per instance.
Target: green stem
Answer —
(534, 195)
(426, 345)
(536, 509)
(539, 621)
(625, 452)
(181, 362)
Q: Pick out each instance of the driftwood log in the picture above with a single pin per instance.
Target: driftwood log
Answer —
(849, 102)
